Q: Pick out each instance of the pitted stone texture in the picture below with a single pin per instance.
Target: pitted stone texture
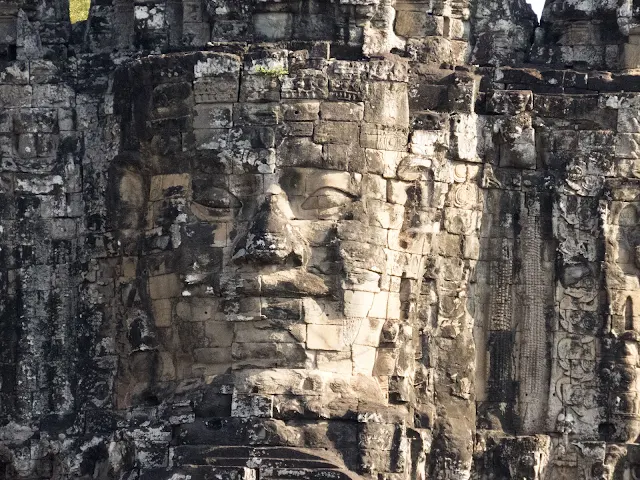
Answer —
(346, 253)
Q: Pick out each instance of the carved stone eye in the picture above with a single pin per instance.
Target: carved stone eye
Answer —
(327, 197)
(214, 197)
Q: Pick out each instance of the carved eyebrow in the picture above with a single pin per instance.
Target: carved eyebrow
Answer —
(340, 181)
(327, 197)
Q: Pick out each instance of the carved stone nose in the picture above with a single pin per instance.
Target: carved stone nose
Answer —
(271, 239)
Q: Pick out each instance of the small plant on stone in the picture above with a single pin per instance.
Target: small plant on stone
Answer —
(79, 10)
(276, 72)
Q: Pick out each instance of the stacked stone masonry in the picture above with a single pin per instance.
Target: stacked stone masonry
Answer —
(366, 239)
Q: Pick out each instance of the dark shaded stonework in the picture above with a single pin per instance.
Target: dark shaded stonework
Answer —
(366, 239)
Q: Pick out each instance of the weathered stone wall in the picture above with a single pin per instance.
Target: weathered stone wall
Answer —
(344, 252)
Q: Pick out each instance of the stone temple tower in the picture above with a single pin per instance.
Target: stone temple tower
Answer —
(355, 239)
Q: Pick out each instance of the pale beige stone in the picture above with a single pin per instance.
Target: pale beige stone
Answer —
(358, 303)
(166, 367)
(162, 312)
(325, 337)
(364, 358)
(335, 362)
(219, 334)
(164, 286)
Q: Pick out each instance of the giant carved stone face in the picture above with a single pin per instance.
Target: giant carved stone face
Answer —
(274, 244)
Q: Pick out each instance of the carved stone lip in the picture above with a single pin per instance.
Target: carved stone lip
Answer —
(292, 283)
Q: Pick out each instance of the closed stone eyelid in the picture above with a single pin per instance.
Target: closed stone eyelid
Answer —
(308, 203)
(234, 201)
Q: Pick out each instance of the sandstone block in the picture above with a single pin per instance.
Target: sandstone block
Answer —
(257, 114)
(8, 30)
(211, 139)
(63, 228)
(460, 222)
(385, 362)
(241, 310)
(168, 185)
(34, 120)
(521, 153)
(386, 215)
(215, 65)
(418, 24)
(265, 331)
(336, 132)
(464, 140)
(46, 144)
(394, 310)
(471, 249)
(27, 145)
(628, 121)
(387, 104)
(281, 309)
(428, 142)
(269, 355)
(273, 26)
(251, 405)
(375, 186)
(342, 111)
(165, 286)
(371, 328)
(299, 129)
(455, 29)
(299, 111)
(319, 313)
(219, 334)
(310, 84)
(509, 102)
(325, 337)
(52, 95)
(382, 162)
(627, 145)
(349, 157)
(214, 90)
(397, 192)
(166, 368)
(192, 12)
(213, 356)
(430, 50)
(357, 304)
(335, 362)
(300, 152)
(213, 116)
(162, 311)
(364, 358)
(379, 436)
(631, 56)
(379, 306)
(18, 96)
(259, 88)
(383, 138)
